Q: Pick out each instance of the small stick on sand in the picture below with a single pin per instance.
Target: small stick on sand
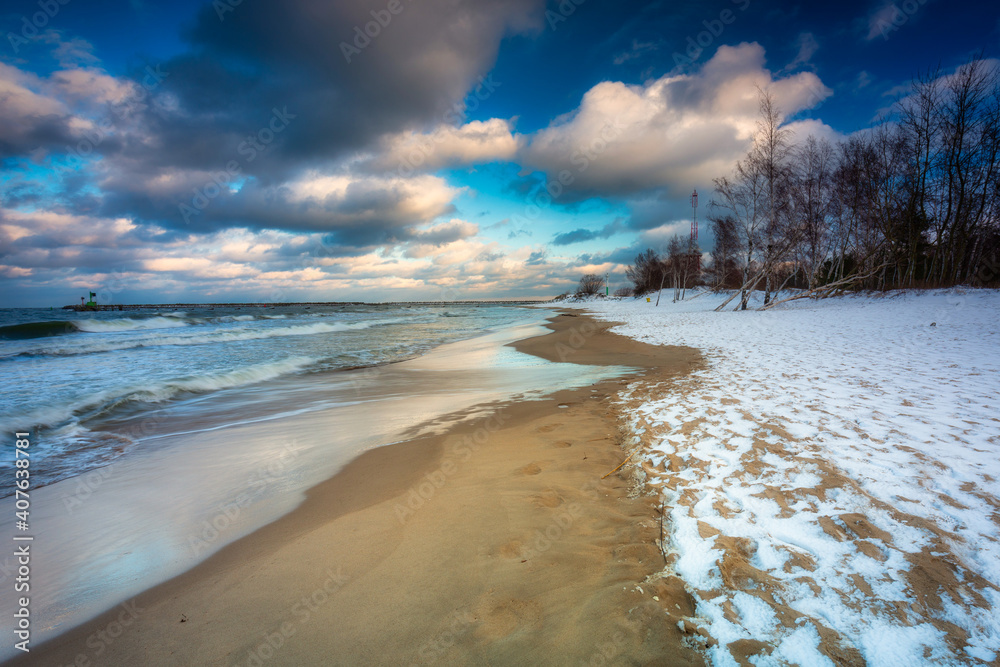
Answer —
(663, 551)
(621, 464)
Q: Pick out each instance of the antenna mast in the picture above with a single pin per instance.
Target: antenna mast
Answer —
(694, 216)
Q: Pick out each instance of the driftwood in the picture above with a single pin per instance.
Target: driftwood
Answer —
(827, 290)
(749, 286)
(769, 264)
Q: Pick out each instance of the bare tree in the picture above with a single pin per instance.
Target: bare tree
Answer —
(675, 262)
(769, 155)
(810, 205)
(590, 284)
(646, 273)
(724, 254)
(912, 201)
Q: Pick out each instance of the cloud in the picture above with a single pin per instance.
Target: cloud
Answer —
(72, 52)
(447, 146)
(807, 48)
(357, 208)
(186, 152)
(676, 132)
(31, 118)
(890, 16)
(580, 235)
(637, 50)
(444, 233)
(417, 69)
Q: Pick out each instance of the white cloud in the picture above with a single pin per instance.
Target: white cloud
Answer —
(674, 132)
(476, 142)
(91, 85)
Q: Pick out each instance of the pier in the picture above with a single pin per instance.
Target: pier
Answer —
(297, 304)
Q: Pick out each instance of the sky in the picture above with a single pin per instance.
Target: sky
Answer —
(377, 150)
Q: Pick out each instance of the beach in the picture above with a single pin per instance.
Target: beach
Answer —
(493, 538)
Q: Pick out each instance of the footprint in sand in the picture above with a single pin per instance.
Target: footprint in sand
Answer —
(548, 428)
(548, 499)
(530, 469)
(512, 549)
(501, 619)
(562, 444)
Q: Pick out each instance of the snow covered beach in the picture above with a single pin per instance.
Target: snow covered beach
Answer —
(831, 477)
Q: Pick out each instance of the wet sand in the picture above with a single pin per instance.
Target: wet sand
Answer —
(496, 542)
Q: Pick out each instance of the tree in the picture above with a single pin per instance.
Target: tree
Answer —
(725, 265)
(676, 263)
(912, 201)
(590, 284)
(646, 272)
(742, 198)
(769, 156)
(811, 179)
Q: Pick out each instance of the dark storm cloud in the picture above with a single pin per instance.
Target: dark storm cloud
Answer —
(580, 235)
(245, 62)
(21, 138)
(276, 89)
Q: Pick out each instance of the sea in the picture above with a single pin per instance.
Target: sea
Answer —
(159, 436)
(69, 375)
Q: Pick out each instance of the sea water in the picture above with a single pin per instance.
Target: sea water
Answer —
(62, 375)
(160, 437)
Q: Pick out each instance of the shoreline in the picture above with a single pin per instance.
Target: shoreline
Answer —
(438, 539)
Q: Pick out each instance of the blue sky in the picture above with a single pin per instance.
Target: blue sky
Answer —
(239, 150)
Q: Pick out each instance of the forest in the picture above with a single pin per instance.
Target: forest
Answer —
(911, 202)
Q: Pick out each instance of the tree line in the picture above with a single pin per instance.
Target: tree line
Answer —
(912, 202)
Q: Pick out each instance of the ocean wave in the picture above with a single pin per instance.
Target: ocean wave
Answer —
(31, 330)
(206, 338)
(129, 324)
(102, 402)
(73, 451)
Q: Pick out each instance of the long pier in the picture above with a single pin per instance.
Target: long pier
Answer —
(298, 304)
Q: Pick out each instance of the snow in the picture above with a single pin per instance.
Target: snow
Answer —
(854, 443)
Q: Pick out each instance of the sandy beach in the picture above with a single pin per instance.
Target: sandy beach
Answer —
(494, 542)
